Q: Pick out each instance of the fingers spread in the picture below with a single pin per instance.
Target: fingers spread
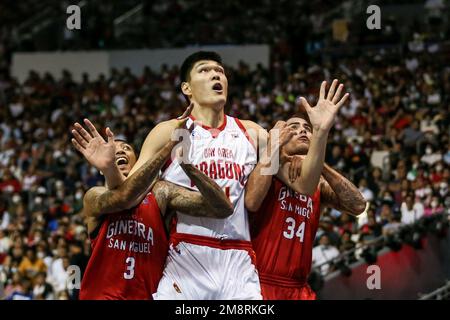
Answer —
(342, 101)
(305, 104)
(91, 128)
(81, 141)
(77, 145)
(83, 132)
(110, 135)
(338, 94)
(323, 87)
(332, 89)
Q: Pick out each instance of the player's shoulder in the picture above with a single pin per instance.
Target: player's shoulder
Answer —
(160, 133)
(254, 130)
(167, 124)
(249, 124)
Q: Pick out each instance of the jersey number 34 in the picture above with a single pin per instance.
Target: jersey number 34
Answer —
(291, 232)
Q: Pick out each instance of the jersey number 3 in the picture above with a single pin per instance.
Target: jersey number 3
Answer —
(290, 232)
(130, 268)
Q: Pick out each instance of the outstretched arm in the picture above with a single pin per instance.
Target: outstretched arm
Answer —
(211, 201)
(212, 194)
(339, 193)
(101, 200)
(322, 117)
(101, 153)
(136, 186)
(98, 152)
(212, 204)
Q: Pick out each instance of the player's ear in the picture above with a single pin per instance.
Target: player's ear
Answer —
(186, 89)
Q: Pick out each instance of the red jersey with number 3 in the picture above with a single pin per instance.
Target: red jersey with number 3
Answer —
(128, 255)
(283, 232)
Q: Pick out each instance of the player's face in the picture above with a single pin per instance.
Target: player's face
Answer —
(299, 144)
(125, 157)
(208, 84)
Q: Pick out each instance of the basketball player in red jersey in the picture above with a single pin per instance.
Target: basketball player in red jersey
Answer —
(284, 222)
(130, 245)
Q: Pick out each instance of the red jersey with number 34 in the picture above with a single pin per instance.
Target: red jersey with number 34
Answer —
(128, 255)
(283, 232)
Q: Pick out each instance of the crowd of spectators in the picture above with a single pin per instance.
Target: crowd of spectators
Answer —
(391, 140)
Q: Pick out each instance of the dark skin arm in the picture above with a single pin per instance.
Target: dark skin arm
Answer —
(211, 193)
(100, 200)
(211, 202)
(171, 197)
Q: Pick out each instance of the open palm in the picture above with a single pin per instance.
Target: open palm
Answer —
(97, 151)
(322, 116)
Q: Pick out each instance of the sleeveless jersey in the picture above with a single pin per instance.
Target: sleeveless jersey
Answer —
(283, 232)
(128, 255)
(227, 156)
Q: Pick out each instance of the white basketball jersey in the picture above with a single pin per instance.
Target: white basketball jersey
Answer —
(225, 155)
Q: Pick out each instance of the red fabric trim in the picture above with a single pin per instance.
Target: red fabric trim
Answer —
(241, 126)
(281, 281)
(225, 244)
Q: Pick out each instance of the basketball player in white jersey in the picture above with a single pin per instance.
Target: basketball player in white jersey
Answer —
(208, 258)
(212, 259)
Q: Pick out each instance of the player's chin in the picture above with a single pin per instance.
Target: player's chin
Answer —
(220, 100)
(219, 97)
(125, 171)
(302, 148)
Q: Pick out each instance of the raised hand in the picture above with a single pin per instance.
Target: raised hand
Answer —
(181, 120)
(322, 116)
(295, 167)
(98, 152)
(279, 135)
(285, 133)
(182, 152)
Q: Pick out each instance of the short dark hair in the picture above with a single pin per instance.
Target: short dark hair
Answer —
(302, 115)
(191, 60)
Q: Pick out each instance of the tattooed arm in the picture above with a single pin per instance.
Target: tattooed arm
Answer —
(212, 194)
(100, 200)
(339, 193)
(209, 202)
